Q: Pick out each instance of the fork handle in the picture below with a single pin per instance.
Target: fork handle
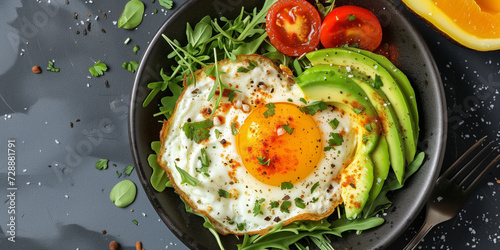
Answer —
(426, 227)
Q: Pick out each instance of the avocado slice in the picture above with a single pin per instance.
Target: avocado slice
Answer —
(372, 69)
(401, 80)
(344, 93)
(390, 122)
(380, 157)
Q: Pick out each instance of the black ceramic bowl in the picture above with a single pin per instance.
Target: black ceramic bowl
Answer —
(414, 60)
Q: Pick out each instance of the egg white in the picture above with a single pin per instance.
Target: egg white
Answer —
(235, 214)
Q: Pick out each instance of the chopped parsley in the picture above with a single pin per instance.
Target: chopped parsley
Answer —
(287, 128)
(357, 111)
(136, 48)
(336, 140)
(102, 164)
(251, 65)
(286, 185)
(378, 82)
(128, 169)
(241, 226)
(263, 161)
(217, 134)
(303, 100)
(168, 4)
(369, 127)
(98, 69)
(130, 66)
(285, 206)
(230, 96)
(314, 187)
(256, 207)
(204, 162)
(289, 100)
(197, 131)
(270, 110)
(299, 203)
(234, 130)
(313, 107)
(274, 204)
(334, 123)
(223, 193)
(315, 199)
(351, 17)
(50, 67)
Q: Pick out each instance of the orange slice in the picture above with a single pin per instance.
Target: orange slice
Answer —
(472, 23)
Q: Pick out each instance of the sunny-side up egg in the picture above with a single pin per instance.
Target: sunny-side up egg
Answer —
(260, 159)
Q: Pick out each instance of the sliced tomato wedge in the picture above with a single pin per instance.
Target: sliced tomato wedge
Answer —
(351, 25)
(293, 26)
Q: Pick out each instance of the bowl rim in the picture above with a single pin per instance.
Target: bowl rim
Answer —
(435, 162)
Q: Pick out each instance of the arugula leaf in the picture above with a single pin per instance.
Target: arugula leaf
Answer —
(286, 185)
(102, 164)
(256, 207)
(197, 131)
(223, 193)
(130, 66)
(325, 7)
(313, 107)
(159, 179)
(98, 69)
(168, 102)
(132, 14)
(270, 110)
(166, 3)
(287, 128)
(186, 177)
(206, 224)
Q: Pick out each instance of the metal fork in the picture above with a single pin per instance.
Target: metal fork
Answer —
(447, 197)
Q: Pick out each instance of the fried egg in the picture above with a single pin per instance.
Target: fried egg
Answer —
(260, 158)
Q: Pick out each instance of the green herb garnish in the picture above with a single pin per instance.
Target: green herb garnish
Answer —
(286, 185)
(98, 69)
(299, 203)
(223, 193)
(270, 110)
(168, 4)
(263, 161)
(186, 177)
(198, 131)
(285, 206)
(136, 48)
(287, 128)
(50, 67)
(378, 82)
(234, 130)
(128, 170)
(334, 123)
(251, 66)
(102, 164)
(314, 107)
(274, 204)
(351, 17)
(256, 207)
(314, 187)
(130, 66)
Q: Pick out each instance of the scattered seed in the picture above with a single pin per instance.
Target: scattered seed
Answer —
(88, 26)
(84, 32)
(138, 245)
(75, 15)
(78, 32)
(104, 231)
(104, 15)
(103, 31)
(106, 83)
(36, 69)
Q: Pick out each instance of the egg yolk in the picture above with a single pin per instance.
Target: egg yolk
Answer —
(282, 147)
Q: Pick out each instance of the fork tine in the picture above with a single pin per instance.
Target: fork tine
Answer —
(473, 160)
(480, 176)
(461, 158)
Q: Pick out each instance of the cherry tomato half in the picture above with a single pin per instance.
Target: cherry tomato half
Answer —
(351, 25)
(293, 26)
